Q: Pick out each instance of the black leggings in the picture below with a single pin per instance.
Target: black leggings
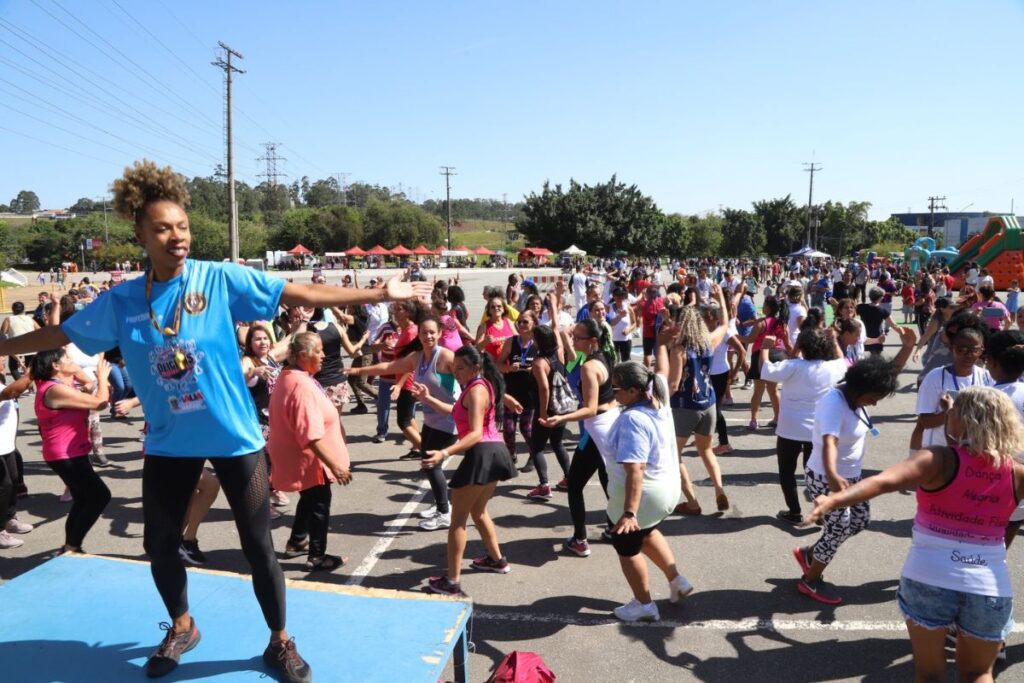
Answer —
(541, 435)
(406, 407)
(8, 479)
(720, 383)
(312, 519)
(358, 384)
(436, 440)
(788, 452)
(89, 496)
(585, 461)
(624, 349)
(167, 487)
(922, 321)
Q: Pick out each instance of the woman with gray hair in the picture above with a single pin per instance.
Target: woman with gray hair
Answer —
(307, 450)
(643, 486)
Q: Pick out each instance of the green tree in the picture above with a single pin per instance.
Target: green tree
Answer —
(252, 239)
(783, 224)
(112, 254)
(10, 249)
(83, 205)
(27, 201)
(322, 193)
(209, 238)
(705, 235)
(743, 234)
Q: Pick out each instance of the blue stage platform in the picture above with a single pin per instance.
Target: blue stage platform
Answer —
(80, 618)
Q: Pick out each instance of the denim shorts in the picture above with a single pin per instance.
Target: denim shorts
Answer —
(932, 607)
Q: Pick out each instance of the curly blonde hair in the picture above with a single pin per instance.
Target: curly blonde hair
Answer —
(693, 333)
(143, 183)
(991, 423)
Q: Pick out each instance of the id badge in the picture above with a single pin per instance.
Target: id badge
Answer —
(874, 431)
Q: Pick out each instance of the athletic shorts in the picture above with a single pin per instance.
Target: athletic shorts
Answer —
(701, 422)
(649, 346)
(629, 545)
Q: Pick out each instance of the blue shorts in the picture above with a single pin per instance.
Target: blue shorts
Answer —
(977, 616)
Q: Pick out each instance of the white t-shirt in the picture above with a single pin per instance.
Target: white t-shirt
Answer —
(972, 276)
(804, 382)
(720, 359)
(86, 362)
(8, 425)
(796, 311)
(578, 284)
(1015, 390)
(938, 382)
(833, 417)
(837, 275)
(619, 328)
(376, 316)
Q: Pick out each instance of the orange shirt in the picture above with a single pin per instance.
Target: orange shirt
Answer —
(300, 412)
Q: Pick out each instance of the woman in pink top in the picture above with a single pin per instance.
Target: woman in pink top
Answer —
(773, 324)
(955, 573)
(62, 411)
(486, 461)
(307, 450)
(495, 329)
(452, 331)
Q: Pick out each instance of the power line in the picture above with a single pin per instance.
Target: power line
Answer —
(66, 149)
(811, 168)
(185, 26)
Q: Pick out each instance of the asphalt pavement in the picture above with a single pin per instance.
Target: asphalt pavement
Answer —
(744, 621)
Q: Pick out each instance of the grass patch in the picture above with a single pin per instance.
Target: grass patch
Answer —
(490, 234)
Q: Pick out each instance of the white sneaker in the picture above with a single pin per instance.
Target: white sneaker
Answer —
(441, 520)
(634, 611)
(16, 526)
(8, 541)
(679, 588)
(429, 512)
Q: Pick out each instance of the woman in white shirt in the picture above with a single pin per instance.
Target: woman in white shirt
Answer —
(805, 381)
(797, 312)
(841, 423)
(623, 321)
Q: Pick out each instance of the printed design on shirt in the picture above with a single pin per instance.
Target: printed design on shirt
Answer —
(194, 303)
(176, 369)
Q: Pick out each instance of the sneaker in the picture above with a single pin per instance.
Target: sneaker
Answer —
(563, 485)
(100, 460)
(190, 553)
(66, 496)
(804, 559)
(413, 454)
(606, 533)
(359, 410)
(442, 585)
(575, 545)
(174, 645)
(8, 541)
(722, 449)
(634, 611)
(540, 493)
(486, 564)
(16, 526)
(746, 385)
(379, 438)
(429, 512)
(441, 520)
(284, 657)
(279, 499)
(793, 518)
(819, 590)
(679, 588)
(752, 426)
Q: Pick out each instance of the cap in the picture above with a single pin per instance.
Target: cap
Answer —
(529, 283)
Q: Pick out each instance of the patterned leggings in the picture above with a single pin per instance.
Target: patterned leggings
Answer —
(840, 524)
(525, 423)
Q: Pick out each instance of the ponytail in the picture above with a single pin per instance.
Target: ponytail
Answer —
(489, 371)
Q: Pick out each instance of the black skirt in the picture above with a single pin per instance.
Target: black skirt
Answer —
(484, 463)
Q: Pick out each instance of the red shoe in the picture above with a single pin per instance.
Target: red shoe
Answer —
(804, 559)
(819, 590)
(562, 485)
(540, 493)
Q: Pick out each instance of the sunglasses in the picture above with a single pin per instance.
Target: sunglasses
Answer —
(579, 338)
(975, 350)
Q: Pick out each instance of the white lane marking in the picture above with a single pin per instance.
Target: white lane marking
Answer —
(394, 527)
(729, 625)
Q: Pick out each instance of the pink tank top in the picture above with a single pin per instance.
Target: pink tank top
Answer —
(461, 415)
(974, 507)
(500, 334)
(450, 337)
(773, 327)
(65, 431)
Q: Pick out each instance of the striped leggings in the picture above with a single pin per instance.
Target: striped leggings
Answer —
(838, 525)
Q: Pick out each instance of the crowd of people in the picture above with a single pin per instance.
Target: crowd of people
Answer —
(621, 363)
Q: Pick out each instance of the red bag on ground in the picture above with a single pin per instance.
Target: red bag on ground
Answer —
(522, 667)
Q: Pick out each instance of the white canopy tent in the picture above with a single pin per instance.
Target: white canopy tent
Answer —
(808, 252)
(573, 251)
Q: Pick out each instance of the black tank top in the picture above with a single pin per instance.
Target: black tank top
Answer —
(521, 385)
(604, 392)
(261, 394)
(333, 370)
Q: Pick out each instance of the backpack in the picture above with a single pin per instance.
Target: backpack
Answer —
(561, 399)
(522, 667)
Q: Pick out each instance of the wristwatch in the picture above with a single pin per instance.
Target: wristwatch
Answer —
(444, 454)
(629, 514)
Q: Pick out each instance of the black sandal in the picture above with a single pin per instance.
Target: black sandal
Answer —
(291, 550)
(326, 563)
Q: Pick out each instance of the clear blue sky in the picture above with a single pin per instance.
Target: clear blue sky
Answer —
(700, 104)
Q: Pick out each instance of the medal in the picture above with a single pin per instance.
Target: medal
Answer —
(179, 358)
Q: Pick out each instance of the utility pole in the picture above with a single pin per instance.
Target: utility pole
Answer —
(342, 178)
(225, 64)
(448, 172)
(934, 203)
(811, 168)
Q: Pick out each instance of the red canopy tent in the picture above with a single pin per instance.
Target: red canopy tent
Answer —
(441, 249)
(483, 251)
(463, 248)
(299, 250)
(379, 251)
(529, 252)
(401, 251)
(355, 251)
(423, 251)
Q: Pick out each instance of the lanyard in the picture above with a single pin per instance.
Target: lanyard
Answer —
(179, 357)
(952, 373)
(525, 352)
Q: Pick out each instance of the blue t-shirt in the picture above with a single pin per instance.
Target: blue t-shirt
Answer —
(203, 409)
(696, 391)
(745, 312)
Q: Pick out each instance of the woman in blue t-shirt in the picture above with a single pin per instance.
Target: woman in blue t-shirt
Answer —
(693, 396)
(175, 328)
